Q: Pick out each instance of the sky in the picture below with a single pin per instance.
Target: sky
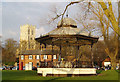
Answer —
(16, 14)
(0, 18)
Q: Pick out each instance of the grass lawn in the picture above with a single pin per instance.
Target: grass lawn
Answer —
(32, 75)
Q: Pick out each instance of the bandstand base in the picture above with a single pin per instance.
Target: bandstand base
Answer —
(66, 71)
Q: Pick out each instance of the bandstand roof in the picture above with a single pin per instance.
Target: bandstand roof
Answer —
(67, 34)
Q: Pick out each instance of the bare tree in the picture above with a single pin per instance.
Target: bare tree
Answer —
(99, 52)
(105, 26)
(9, 52)
(108, 11)
(107, 20)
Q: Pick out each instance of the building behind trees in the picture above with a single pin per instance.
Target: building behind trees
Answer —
(27, 37)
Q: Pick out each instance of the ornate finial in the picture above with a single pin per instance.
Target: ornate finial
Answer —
(89, 34)
(67, 13)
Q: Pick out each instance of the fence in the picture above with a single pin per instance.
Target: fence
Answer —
(66, 64)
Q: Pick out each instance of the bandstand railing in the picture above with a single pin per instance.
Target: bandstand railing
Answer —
(66, 64)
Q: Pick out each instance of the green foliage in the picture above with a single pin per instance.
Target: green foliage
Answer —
(99, 71)
(117, 71)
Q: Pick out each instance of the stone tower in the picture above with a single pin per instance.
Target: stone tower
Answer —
(27, 37)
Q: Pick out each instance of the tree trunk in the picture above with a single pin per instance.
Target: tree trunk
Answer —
(113, 63)
(119, 64)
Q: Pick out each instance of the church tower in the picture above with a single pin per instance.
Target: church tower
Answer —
(27, 37)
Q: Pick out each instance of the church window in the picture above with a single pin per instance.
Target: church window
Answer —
(32, 32)
(28, 31)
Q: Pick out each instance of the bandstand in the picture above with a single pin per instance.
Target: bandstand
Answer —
(67, 35)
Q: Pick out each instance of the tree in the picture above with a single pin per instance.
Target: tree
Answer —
(105, 24)
(107, 20)
(9, 52)
(99, 52)
(108, 11)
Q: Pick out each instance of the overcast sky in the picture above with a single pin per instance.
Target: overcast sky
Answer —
(15, 14)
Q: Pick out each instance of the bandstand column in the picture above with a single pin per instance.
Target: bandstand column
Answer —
(45, 59)
(40, 56)
(60, 54)
(45, 47)
(78, 54)
(40, 46)
(52, 51)
(92, 55)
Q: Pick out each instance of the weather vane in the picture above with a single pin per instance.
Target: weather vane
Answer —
(67, 13)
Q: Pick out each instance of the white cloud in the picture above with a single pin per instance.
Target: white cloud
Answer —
(12, 33)
(40, 31)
